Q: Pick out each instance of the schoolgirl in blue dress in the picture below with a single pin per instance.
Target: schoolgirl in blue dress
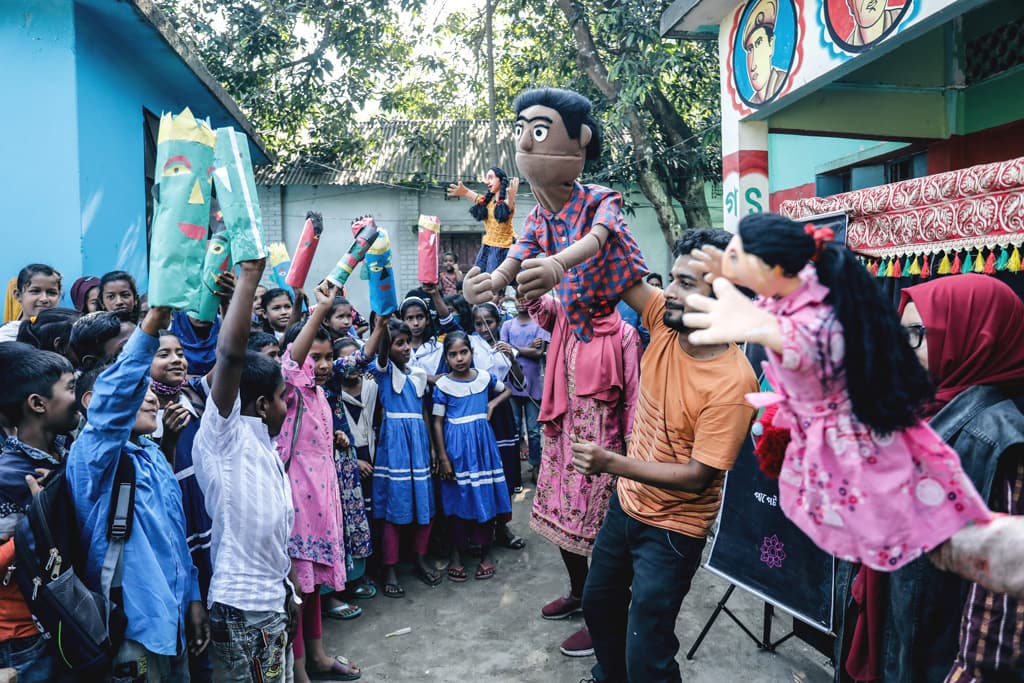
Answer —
(473, 488)
(403, 496)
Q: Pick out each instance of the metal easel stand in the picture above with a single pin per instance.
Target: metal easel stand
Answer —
(765, 642)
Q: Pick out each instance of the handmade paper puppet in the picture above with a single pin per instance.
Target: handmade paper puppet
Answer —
(429, 249)
(383, 297)
(575, 238)
(181, 210)
(309, 240)
(495, 209)
(280, 263)
(236, 192)
(365, 231)
(217, 262)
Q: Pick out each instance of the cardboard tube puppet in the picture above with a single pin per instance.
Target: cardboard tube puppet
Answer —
(429, 249)
(217, 262)
(309, 240)
(236, 192)
(383, 297)
(181, 210)
(280, 263)
(365, 231)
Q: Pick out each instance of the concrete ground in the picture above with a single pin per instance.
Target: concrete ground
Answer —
(483, 631)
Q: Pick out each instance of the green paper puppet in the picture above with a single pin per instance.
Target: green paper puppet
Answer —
(236, 191)
(217, 262)
(181, 210)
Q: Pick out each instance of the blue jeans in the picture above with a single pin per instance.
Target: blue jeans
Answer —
(33, 657)
(639, 575)
(248, 646)
(525, 410)
(133, 663)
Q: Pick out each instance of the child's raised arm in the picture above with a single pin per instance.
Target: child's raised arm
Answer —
(325, 293)
(234, 338)
(379, 339)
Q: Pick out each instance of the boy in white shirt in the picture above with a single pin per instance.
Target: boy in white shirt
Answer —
(253, 605)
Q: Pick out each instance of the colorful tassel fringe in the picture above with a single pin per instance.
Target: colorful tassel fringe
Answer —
(926, 271)
(968, 264)
(944, 265)
(1004, 259)
(955, 269)
(1014, 265)
(990, 263)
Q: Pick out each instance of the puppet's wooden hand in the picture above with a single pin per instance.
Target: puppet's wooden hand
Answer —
(457, 190)
(477, 287)
(539, 276)
(707, 260)
(731, 317)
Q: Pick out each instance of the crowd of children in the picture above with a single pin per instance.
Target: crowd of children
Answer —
(390, 439)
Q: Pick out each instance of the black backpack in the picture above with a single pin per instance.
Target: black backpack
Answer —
(87, 627)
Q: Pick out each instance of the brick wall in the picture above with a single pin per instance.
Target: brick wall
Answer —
(405, 242)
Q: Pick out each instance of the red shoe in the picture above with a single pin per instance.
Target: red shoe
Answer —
(561, 608)
(578, 644)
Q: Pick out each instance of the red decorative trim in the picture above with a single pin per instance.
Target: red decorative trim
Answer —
(745, 161)
(776, 199)
(981, 206)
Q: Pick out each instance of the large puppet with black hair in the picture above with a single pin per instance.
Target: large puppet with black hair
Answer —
(495, 209)
(575, 237)
(862, 476)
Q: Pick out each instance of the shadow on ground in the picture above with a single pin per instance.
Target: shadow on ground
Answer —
(484, 631)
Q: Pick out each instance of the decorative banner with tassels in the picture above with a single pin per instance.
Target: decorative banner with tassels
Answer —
(925, 265)
(958, 217)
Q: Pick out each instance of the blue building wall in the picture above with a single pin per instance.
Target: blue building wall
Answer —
(39, 187)
(73, 181)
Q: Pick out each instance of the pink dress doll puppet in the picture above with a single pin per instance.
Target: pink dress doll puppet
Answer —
(575, 237)
(495, 209)
(863, 476)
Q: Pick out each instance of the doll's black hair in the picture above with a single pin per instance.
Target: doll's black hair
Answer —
(574, 108)
(888, 387)
(501, 210)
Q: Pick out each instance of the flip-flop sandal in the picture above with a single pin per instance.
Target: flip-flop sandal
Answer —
(428, 578)
(365, 591)
(457, 574)
(512, 542)
(343, 611)
(484, 572)
(341, 670)
(393, 590)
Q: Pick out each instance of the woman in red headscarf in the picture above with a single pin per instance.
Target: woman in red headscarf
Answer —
(968, 331)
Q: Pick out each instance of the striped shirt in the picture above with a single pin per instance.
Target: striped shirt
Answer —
(689, 409)
(250, 501)
(992, 628)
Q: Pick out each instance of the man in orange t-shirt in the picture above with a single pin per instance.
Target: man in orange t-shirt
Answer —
(690, 421)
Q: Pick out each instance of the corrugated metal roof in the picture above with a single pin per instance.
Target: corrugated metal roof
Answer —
(456, 150)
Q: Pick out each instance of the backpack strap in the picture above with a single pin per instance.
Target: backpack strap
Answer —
(119, 527)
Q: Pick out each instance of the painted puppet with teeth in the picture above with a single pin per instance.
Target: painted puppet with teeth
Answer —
(181, 209)
(575, 238)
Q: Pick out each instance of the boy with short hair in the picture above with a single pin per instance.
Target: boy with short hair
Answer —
(252, 600)
(159, 589)
(449, 279)
(37, 397)
(98, 336)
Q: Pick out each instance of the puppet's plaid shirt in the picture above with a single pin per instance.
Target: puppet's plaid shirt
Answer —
(591, 289)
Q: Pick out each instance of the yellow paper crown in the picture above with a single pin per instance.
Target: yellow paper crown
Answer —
(382, 243)
(432, 223)
(277, 252)
(184, 126)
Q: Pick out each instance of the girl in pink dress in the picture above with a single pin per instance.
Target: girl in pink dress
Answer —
(863, 476)
(306, 445)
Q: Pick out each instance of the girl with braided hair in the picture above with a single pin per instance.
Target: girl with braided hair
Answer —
(495, 209)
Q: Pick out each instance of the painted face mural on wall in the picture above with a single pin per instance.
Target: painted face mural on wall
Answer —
(181, 209)
(857, 25)
(763, 50)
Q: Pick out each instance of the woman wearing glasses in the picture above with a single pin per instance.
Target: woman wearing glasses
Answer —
(968, 331)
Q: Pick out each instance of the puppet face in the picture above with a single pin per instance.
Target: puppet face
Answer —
(493, 182)
(545, 153)
(747, 270)
(184, 164)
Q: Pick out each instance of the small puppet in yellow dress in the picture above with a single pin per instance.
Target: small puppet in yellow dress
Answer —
(495, 209)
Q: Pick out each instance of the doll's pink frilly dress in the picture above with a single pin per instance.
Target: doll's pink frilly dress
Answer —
(881, 500)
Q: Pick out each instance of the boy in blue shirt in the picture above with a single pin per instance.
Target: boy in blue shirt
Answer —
(159, 586)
